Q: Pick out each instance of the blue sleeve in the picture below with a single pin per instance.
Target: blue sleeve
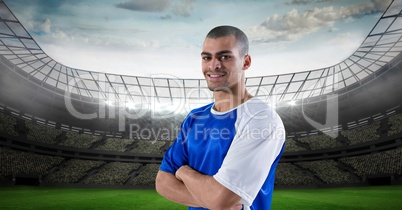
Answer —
(176, 156)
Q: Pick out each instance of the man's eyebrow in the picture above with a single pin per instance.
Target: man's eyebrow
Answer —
(206, 53)
(224, 52)
(218, 53)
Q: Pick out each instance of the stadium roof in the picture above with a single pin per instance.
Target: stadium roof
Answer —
(22, 54)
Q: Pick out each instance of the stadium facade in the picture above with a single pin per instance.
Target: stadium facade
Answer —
(65, 126)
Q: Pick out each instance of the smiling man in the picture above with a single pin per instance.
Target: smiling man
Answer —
(226, 152)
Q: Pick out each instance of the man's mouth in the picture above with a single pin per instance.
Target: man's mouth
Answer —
(213, 76)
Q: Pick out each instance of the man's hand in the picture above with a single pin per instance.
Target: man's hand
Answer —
(169, 187)
(181, 171)
(207, 191)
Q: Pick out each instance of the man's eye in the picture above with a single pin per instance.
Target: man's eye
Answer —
(206, 58)
(225, 57)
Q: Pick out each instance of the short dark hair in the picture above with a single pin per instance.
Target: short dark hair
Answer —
(241, 37)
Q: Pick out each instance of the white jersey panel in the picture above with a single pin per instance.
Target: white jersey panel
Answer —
(260, 136)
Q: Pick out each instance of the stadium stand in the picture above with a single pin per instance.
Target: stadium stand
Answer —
(7, 125)
(42, 133)
(15, 163)
(113, 173)
(289, 175)
(362, 134)
(320, 141)
(386, 162)
(114, 144)
(79, 140)
(73, 170)
(328, 171)
(396, 124)
(149, 147)
(92, 172)
(292, 146)
(147, 176)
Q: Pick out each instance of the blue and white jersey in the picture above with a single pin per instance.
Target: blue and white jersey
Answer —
(240, 148)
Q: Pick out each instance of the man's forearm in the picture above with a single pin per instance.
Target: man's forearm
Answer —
(206, 189)
(173, 189)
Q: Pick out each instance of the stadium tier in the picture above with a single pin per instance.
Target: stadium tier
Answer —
(58, 125)
(68, 157)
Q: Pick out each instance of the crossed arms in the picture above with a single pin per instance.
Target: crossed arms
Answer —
(191, 188)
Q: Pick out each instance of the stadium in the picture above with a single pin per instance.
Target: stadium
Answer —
(63, 128)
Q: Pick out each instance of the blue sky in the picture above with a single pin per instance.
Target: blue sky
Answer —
(164, 37)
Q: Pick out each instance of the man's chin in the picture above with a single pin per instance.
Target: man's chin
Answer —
(219, 89)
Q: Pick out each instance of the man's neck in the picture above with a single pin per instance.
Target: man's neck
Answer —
(225, 101)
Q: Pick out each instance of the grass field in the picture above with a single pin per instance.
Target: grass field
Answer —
(44, 198)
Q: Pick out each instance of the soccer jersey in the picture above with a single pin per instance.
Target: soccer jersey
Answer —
(239, 148)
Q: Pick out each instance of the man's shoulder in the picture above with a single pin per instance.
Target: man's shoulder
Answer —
(259, 109)
(256, 105)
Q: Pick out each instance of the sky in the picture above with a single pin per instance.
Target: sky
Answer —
(163, 38)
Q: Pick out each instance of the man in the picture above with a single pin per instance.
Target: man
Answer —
(226, 152)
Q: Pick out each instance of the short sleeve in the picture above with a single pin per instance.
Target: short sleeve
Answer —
(256, 146)
(176, 156)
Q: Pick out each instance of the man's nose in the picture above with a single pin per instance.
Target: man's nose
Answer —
(215, 64)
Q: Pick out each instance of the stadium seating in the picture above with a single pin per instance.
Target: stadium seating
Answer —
(42, 133)
(115, 144)
(289, 175)
(387, 162)
(147, 176)
(78, 140)
(7, 125)
(113, 173)
(320, 141)
(22, 163)
(148, 147)
(291, 146)
(362, 134)
(73, 171)
(328, 171)
(89, 172)
(395, 124)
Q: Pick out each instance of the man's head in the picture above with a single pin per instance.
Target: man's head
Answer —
(225, 58)
(240, 36)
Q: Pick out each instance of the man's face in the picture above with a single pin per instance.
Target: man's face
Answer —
(222, 65)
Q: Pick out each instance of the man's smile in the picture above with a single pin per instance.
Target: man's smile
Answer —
(215, 76)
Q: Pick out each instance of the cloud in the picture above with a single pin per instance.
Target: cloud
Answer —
(165, 17)
(347, 41)
(294, 25)
(305, 2)
(144, 5)
(298, 2)
(46, 6)
(381, 5)
(176, 7)
(86, 35)
(43, 27)
(182, 8)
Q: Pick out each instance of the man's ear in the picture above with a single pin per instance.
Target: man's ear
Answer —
(247, 62)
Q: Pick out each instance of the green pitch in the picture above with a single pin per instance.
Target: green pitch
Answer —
(26, 197)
